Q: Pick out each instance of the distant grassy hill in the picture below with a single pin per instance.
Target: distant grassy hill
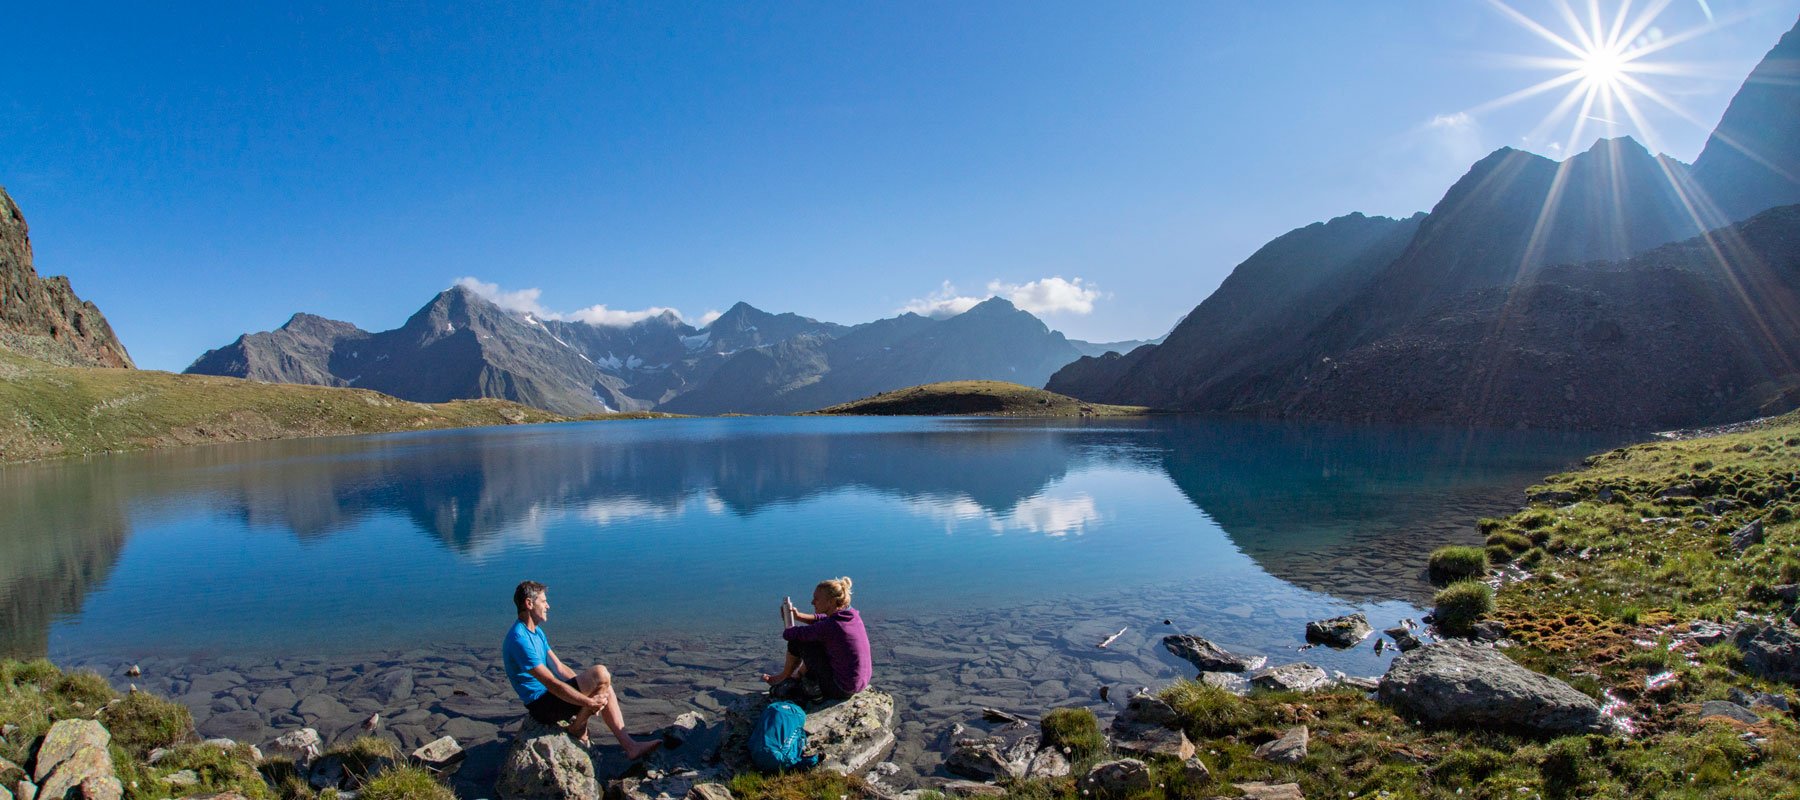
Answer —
(984, 398)
(48, 411)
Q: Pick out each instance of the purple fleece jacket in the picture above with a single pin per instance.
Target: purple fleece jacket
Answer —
(845, 642)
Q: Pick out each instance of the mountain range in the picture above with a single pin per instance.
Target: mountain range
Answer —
(1615, 289)
(461, 345)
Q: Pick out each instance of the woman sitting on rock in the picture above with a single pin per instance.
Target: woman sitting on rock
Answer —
(830, 652)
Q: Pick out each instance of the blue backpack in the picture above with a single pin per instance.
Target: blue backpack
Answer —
(778, 739)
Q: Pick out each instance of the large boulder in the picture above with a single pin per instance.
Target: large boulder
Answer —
(1209, 657)
(1771, 652)
(545, 764)
(1339, 632)
(848, 736)
(302, 746)
(1462, 683)
(74, 758)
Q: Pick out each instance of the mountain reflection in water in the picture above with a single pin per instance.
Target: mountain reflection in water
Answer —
(691, 519)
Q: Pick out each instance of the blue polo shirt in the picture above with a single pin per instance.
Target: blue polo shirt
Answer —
(523, 650)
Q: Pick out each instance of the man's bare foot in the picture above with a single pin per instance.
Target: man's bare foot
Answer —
(772, 679)
(637, 750)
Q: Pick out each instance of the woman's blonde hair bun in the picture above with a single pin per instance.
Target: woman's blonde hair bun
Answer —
(838, 589)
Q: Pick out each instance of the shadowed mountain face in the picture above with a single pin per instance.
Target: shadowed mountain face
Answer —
(1518, 299)
(42, 318)
(1752, 160)
(63, 529)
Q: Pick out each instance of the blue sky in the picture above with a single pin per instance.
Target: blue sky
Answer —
(200, 171)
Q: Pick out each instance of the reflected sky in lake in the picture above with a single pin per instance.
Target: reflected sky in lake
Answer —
(691, 525)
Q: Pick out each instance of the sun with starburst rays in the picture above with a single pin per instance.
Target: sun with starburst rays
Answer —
(1604, 60)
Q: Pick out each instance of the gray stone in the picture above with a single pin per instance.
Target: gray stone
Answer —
(243, 726)
(1229, 681)
(101, 787)
(1145, 708)
(1153, 740)
(1005, 753)
(709, 791)
(1048, 763)
(1117, 779)
(182, 779)
(1728, 710)
(1339, 632)
(5, 793)
(1403, 637)
(1771, 652)
(278, 699)
(302, 746)
(25, 790)
(318, 705)
(63, 741)
(387, 688)
(1297, 677)
(1706, 634)
(1461, 683)
(470, 730)
(545, 764)
(439, 754)
(1743, 538)
(1195, 771)
(1257, 790)
(215, 683)
(1289, 749)
(1209, 657)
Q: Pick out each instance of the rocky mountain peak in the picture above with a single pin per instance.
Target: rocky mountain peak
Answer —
(42, 317)
(1752, 160)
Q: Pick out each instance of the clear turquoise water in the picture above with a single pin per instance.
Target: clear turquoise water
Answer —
(640, 527)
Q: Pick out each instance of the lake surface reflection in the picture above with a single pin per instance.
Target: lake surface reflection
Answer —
(643, 528)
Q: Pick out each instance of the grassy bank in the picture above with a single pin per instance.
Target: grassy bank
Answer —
(976, 398)
(48, 411)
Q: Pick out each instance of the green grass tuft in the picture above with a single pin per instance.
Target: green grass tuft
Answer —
(1455, 563)
(1075, 731)
(405, 783)
(1460, 605)
(142, 722)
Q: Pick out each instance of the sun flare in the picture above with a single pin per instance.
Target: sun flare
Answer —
(1603, 65)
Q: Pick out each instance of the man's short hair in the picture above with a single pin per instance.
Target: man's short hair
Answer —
(526, 591)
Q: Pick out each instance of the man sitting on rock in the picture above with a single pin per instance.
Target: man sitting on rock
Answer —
(551, 690)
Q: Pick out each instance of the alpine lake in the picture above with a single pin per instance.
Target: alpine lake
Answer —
(270, 586)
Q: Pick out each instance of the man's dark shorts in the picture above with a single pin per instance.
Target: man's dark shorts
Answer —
(551, 709)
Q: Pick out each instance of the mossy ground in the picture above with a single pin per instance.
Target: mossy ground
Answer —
(977, 398)
(35, 694)
(49, 411)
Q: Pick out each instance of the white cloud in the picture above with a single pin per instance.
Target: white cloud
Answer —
(708, 317)
(603, 316)
(526, 301)
(1460, 119)
(1049, 296)
(1044, 296)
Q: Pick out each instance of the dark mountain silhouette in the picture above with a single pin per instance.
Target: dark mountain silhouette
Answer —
(1752, 160)
(994, 340)
(300, 351)
(1481, 291)
(42, 318)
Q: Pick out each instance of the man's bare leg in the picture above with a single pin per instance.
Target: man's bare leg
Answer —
(599, 679)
